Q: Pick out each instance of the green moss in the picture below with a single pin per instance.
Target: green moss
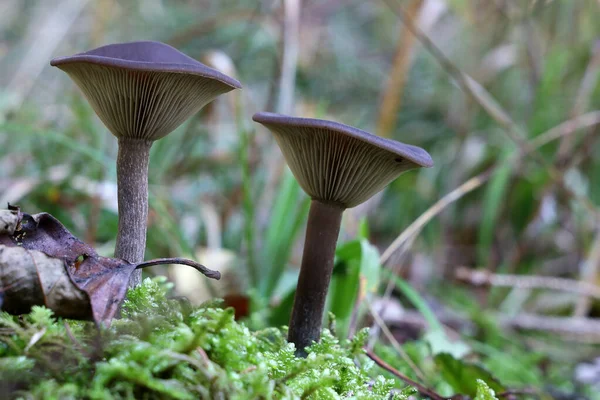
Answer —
(165, 349)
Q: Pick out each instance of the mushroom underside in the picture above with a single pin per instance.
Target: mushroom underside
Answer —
(338, 169)
(144, 105)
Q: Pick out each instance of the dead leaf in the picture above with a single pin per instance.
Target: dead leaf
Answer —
(73, 280)
(30, 277)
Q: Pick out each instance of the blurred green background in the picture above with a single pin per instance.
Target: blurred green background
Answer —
(491, 256)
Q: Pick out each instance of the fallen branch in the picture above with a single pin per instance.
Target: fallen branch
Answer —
(579, 329)
(420, 388)
(486, 278)
(577, 326)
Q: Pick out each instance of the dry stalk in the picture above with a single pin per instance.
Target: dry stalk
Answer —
(566, 128)
(577, 326)
(422, 389)
(584, 330)
(491, 106)
(486, 278)
(390, 337)
(397, 76)
(406, 238)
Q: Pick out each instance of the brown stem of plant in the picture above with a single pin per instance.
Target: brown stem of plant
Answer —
(422, 389)
(132, 184)
(315, 273)
(481, 277)
(394, 87)
(393, 342)
(209, 273)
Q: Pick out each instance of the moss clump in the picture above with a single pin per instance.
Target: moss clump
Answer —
(165, 349)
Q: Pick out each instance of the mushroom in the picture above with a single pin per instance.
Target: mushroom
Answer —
(141, 91)
(339, 167)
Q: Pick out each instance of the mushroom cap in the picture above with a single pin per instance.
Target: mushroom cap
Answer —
(338, 164)
(144, 90)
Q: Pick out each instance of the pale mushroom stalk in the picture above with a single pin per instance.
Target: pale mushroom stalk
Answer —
(322, 232)
(132, 184)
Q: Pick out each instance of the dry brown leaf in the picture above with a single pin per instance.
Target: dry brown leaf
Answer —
(42, 263)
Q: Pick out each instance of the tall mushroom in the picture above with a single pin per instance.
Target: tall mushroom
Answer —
(339, 167)
(141, 91)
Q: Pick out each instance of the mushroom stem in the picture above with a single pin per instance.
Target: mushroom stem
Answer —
(132, 188)
(315, 273)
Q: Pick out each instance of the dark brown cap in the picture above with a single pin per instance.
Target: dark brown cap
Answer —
(144, 90)
(339, 164)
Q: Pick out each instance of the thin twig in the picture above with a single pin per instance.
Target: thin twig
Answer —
(479, 277)
(573, 328)
(209, 273)
(390, 337)
(561, 130)
(422, 389)
(406, 238)
(416, 227)
(588, 327)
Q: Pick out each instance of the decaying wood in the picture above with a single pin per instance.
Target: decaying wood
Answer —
(42, 263)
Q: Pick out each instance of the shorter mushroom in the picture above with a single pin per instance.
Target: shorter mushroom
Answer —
(339, 167)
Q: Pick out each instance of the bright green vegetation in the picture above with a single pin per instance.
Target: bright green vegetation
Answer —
(163, 348)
